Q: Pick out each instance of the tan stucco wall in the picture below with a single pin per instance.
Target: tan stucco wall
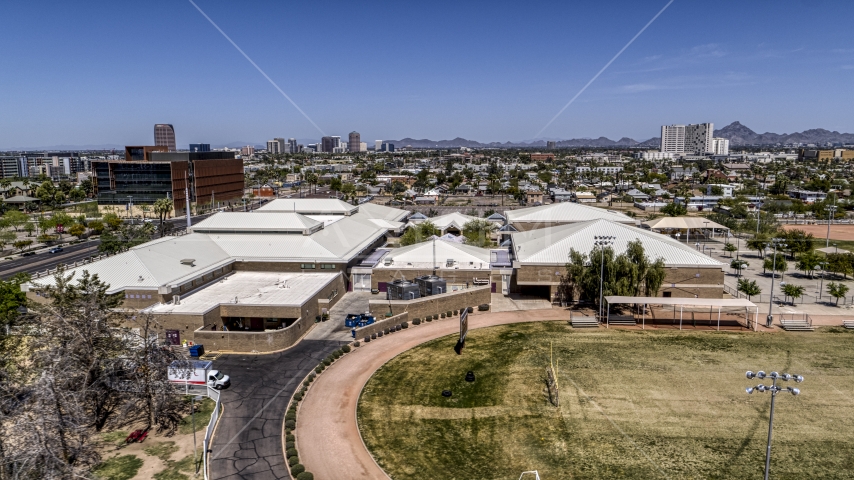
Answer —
(433, 305)
(269, 341)
(451, 276)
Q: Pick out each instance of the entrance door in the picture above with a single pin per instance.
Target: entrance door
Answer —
(256, 324)
(361, 282)
(505, 285)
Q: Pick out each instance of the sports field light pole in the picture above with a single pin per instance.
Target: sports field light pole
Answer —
(602, 242)
(193, 400)
(774, 389)
(777, 242)
(830, 210)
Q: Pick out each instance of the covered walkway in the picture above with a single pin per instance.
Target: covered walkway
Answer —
(709, 309)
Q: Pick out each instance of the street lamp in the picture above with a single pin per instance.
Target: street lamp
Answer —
(777, 242)
(830, 211)
(193, 400)
(774, 389)
(602, 242)
(823, 266)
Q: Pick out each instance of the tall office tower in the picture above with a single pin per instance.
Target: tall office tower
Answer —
(327, 144)
(292, 145)
(387, 147)
(378, 144)
(551, 145)
(673, 138)
(336, 142)
(273, 147)
(698, 138)
(248, 150)
(363, 147)
(164, 136)
(200, 147)
(354, 141)
(720, 146)
(283, 147)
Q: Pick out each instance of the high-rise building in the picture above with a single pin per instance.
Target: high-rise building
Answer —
(277, 146)
(327, 144)
(551, 145)
(164, 136)
(247, 151)
(148, 175)
(200, 147)
(694, 139)
(387, 147)
(673, 138)
(292, 145)
(378, 144)
(10, 167)
(363, 147)
(698, 138)
(720, 146)
(354, 141)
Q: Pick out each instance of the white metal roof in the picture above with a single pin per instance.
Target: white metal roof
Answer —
(305, 206)
(159, 262)
(372, 210)
(420, 255)
(255, 222)
(453, 219)
(565, 212)
(551, 245)
(682, 223)
(251, 288)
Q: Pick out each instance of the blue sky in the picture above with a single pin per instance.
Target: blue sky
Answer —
(104, 72)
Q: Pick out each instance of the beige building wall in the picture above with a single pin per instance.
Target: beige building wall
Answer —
(432, 305)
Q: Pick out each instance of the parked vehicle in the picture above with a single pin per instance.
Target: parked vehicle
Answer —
(358, 320)
(197, 372)
(55, 250)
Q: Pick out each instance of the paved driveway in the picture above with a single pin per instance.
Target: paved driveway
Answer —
(248, 439)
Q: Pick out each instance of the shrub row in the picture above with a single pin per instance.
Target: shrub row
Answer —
(297, 469)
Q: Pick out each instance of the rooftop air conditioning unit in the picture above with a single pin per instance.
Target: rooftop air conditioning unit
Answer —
(449, 262)
(388, 261)
(176, 299)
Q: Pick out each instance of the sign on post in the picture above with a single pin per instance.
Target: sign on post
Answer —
(464, 330)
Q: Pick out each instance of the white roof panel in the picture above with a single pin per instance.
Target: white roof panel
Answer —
(305, 206)
(565, 212)
(257, 222)
(420, 255)
(549, 246)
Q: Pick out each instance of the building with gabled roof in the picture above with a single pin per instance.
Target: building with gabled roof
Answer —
(540, 257)
(560, 214)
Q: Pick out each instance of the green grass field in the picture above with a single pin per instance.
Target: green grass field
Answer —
(634, 404)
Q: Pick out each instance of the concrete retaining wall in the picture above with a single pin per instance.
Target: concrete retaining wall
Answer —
(381, 325)
(433, 305)
(260, 342)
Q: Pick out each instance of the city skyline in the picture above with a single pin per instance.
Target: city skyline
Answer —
(500, 76)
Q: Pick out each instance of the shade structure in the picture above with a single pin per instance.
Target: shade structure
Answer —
(712, 303)
(682, 223)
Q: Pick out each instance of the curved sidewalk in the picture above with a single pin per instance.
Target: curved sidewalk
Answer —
(327, 433)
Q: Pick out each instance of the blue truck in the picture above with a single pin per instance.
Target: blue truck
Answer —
(358, 320)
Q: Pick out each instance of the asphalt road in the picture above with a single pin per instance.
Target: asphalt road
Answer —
(44, 261)
(248, 438)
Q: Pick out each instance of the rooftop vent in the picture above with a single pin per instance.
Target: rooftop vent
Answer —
(449, 262)
(189, 261)
(388, 261)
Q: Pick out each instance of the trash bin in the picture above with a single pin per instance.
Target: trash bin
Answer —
(197, 350)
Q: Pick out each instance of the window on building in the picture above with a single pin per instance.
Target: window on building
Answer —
(327, 266)
(307, 266)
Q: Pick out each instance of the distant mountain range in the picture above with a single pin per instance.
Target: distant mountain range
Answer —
(735, 132)
(738, 134)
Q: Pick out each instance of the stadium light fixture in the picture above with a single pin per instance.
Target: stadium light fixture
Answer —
(774, 389)
(777, 242)
(602, 242)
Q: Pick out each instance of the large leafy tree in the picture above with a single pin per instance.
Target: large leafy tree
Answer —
(630, 273)
(478, 231)
(418, 233)
(748, 287)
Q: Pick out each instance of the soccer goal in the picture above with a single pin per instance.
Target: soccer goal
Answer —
(529, 473)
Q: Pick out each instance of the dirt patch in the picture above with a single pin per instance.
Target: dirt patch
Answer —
(155, 451)
(837, 232)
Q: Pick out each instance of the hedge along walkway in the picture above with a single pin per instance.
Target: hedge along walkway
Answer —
(327, 432)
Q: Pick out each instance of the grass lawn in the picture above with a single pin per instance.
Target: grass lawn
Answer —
(118, 468)
(204, 410)
(634, 404)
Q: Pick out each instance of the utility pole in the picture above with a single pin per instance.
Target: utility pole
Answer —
(187, 200)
